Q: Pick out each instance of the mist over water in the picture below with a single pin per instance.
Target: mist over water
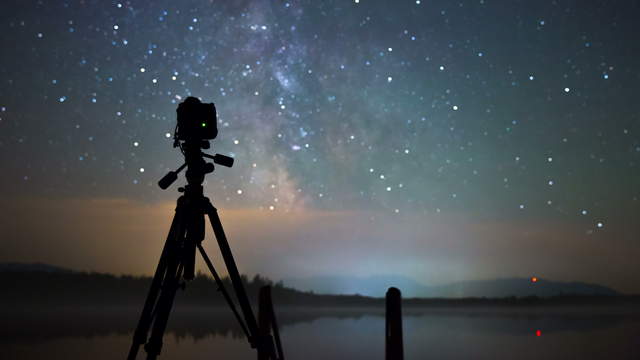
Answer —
(338, 333)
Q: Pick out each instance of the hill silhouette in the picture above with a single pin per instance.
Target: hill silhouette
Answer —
(376, 285)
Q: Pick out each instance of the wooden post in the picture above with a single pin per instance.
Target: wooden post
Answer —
(264, 322)
(393, 326)
(267, 324)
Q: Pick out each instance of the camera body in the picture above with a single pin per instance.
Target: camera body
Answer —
(197, 123)
(196, 120)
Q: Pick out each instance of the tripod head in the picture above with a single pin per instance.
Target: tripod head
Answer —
(196, 125)
(197, 170)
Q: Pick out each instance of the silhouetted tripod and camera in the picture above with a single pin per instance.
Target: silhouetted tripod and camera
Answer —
(196, 125)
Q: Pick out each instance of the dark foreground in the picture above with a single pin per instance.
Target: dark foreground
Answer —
(68, 315)
(477, 332)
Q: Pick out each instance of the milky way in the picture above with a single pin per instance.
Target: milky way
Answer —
(484, 109)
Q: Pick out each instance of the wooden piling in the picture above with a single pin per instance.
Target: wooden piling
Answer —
(393, 325)
(268, 327)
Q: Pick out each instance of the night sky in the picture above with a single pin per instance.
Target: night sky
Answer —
(438, 140)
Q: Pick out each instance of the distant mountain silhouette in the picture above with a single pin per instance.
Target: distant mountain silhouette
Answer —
(518, 287)
(377, 285)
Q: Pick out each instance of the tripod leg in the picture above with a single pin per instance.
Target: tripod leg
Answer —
(163, 309)
(146, 317)
(195, 235)
(234, 275)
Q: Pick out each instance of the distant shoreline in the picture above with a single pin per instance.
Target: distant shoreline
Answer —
(614, 307)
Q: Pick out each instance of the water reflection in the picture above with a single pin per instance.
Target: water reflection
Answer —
(475, 333)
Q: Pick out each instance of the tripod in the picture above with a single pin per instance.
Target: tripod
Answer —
(177, 261)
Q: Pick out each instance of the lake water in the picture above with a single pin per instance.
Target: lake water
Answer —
(474, 333)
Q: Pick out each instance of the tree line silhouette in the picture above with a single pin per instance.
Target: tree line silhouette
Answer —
(99, 289)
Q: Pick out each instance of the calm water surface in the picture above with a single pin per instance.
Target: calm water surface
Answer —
(494, 333)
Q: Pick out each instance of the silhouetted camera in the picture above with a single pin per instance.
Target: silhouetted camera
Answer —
(196, 121)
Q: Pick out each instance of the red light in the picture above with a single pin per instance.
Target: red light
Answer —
(534, 279)
(538, 333)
